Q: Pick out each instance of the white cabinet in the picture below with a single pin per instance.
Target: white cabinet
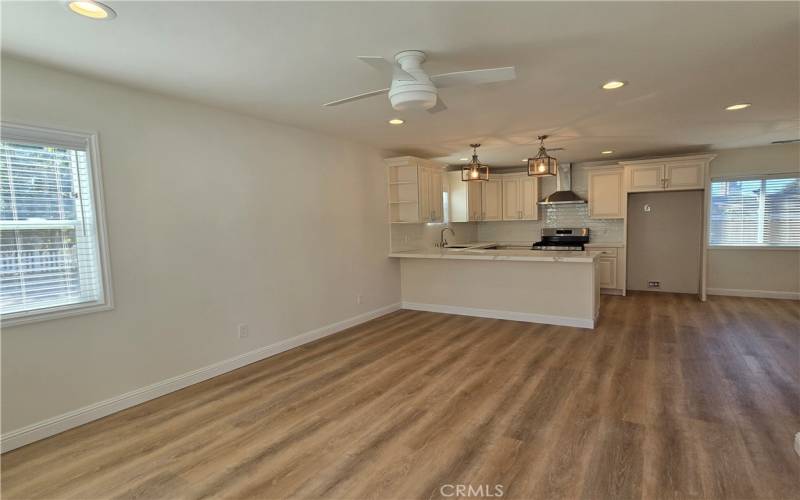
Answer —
(607, 272)
(610, 268)
(520, 197)
(645, 178)
(606, 196)
(485, 200)
(684, 175)
(666, 174)
(492, 200)
(416, 189)
(474, 199)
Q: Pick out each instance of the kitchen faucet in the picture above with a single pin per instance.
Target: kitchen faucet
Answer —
(442, 241)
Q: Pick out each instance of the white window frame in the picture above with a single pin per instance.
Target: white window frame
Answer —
(70, 139)
(745, 177)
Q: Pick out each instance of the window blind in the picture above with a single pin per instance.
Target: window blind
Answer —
(49, 253)
(763, 211)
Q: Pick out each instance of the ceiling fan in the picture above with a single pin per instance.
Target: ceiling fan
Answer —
(412, 88)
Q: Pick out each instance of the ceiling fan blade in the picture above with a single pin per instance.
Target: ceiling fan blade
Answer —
(357, 97)
(556, 149)
(474, 77)
(440, 105)
(388, 68)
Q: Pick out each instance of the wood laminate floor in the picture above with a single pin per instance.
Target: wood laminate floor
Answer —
(667, 398)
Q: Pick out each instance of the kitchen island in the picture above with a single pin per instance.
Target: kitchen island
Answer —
(551, 287)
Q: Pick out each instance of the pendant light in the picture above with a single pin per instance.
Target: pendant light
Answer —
(475, 170)
(543, 165)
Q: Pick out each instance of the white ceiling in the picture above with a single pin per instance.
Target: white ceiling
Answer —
(281, 61)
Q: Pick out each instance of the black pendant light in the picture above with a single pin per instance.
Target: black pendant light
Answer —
(475, 170)
(543, 165)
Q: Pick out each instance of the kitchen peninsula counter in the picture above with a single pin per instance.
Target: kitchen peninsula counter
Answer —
(550, 287)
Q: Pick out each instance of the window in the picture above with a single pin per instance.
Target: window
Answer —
(755, 211)
(52, 244)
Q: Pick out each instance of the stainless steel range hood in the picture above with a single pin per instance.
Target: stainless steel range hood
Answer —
(563, 194)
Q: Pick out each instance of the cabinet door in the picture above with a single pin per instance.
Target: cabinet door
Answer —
(529, 198)
(492, 200)
(605, 194)
(424, 197)
(685, 175)
(607, 272)
(511, 199)
(645, 178)
(474, 199)
(436, 198)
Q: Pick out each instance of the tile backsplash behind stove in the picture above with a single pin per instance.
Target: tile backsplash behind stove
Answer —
(600, 230)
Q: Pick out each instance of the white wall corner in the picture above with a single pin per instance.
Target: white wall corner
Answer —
(60, 423)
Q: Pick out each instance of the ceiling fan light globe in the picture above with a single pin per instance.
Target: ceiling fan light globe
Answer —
(403, 100)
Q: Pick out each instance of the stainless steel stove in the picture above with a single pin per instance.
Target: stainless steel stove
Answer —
(562, 239)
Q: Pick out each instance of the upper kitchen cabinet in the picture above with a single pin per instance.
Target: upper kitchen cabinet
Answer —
(520, 197)
(483, 199)
(416, 188)
(666, 174)
(492, 199)
(606, 195)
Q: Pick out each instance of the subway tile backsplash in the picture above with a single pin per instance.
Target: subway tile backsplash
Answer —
(600, 230)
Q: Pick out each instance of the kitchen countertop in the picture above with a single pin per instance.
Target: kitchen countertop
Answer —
(477, 253)
(605, 245)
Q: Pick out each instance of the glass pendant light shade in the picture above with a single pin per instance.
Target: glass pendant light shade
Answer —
(475, 170)
(543, 164)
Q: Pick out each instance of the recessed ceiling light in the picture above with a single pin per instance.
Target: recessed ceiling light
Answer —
(613, 84)
(396, 121)
(607, 152)
(91, 9)
(525, 160)
(463, 159)
(734, 107)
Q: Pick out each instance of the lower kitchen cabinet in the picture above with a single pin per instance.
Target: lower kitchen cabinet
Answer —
(610, 268)
(607, 272)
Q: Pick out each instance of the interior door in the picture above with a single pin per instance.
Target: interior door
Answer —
(511, 199)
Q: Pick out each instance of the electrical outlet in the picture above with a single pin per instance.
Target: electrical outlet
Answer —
(358, 298)
(244, 331)
(653, 284)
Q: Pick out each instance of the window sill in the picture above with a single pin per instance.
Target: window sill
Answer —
(745, 247)
(24, 318)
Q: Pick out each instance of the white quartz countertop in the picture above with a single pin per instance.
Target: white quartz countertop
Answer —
(616, 244)
(477, 253)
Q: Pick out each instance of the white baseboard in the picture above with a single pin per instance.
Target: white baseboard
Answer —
(65, 421)
(761, 294)
(497, 314)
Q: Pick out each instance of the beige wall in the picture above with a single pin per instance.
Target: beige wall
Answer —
(664, 244)
(760, 269)
(214, 219)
